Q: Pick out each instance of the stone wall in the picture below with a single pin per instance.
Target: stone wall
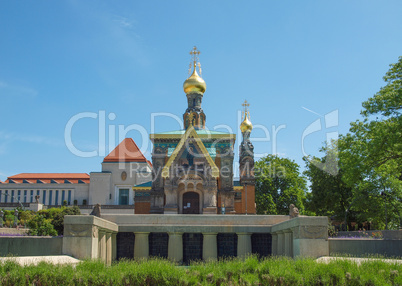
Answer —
(387, 234)
(30, 246)
(362, 247)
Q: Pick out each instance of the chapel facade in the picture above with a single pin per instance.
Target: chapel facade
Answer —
(193, 167)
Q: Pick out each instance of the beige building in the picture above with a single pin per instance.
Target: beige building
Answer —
(122, 169)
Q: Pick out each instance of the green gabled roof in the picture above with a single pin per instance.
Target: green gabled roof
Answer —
(147, 184)
(199, 132)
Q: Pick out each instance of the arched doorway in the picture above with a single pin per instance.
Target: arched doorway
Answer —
(191, 203)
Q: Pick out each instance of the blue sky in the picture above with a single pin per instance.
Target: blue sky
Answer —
(294, 61)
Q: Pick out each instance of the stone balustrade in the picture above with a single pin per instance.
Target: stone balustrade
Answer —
(90, 237)
(93, 237)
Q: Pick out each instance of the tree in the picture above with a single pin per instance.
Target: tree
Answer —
(278, 184)
(58, 219)
(329, 195)
(371, 153)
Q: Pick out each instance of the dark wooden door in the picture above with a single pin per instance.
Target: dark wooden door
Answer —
(191, 203)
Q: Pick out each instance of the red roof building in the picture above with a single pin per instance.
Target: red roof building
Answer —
(48, 178)
(126, 151)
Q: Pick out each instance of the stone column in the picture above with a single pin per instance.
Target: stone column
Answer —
(102, 245)
(114, 246)
(287, 243)
(209, 246)
(274, 248)
(243, 244)
(175, 246)
(108, 248)
(281, 241)
(141, 245)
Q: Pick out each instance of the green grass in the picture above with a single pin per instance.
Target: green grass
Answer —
(273, 271)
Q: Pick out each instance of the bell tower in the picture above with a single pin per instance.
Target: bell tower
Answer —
(246, 154)
(194, 87)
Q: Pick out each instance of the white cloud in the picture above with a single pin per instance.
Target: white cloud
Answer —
(15, 90)
(10, 137)
(123, 22)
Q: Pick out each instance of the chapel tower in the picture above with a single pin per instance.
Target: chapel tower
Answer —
(193, 167)
(194, 87)
(246, 161)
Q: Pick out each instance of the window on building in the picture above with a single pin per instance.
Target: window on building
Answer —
(56, 199)
(6, 196)
(25, 196)
(123, 196)
(19, 195)
(69, 197)
(1, 193)
(32, 196)
(50, 197)
(12, 196)
(63, 196)
(44, 198)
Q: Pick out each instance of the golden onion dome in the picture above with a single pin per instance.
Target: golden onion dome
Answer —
(246, 125)
(194, 84)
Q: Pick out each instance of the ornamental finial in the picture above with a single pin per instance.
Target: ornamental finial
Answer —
(246, 125)
(195, 60)
(245, 111)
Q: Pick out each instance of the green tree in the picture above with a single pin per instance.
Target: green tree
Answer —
(329, 195)
(371, 153)
(58, 219)
(278, 184)
(39, 226)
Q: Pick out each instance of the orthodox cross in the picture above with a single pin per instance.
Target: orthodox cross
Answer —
(245, 105)
(195, 59)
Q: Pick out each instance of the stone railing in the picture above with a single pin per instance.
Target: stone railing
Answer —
(90, 237)
(301, 236)
(93, 237)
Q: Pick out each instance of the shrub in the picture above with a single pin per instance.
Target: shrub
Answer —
(25, 216)
(58, 219)
(40, 226)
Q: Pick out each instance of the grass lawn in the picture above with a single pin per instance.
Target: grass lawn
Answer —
(272, 271)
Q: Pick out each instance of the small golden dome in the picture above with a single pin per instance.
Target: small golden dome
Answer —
(246, 124)
(194, 84)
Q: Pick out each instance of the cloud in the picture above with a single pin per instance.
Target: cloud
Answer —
(14, 90)
(12, 137)
(123, 22)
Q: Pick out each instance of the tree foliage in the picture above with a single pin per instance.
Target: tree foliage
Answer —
(40, 226)
(329, 195)
(371, 153)
(368, 187)
(58, 218)
(373, 148)
(50, 221)
(278, 184)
